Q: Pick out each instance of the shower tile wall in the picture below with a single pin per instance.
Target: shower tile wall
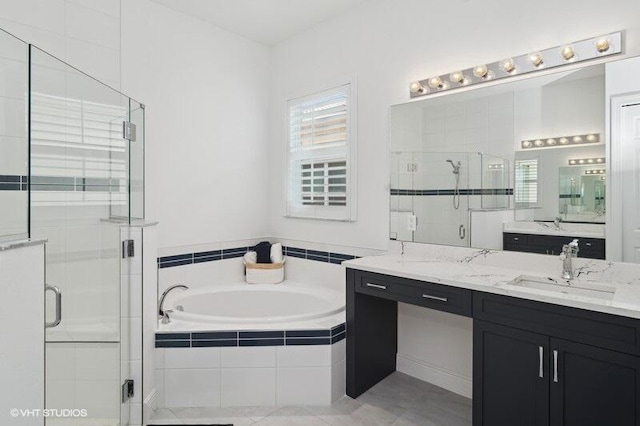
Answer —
(13, 137)
(80, 32)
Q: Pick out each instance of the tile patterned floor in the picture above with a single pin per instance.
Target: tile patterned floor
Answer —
(398, 400)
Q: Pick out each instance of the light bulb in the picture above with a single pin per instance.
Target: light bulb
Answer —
(481, 71)
(508, 66)
(581, 161)
(536, 60)
(567, 53)
(551, 141)
(590, 161)
(591, 138)
(416, 87)
(602, 45)
(456, 77)
(577, 139)
(538, 142)
(564, 141)
(572, 161)
(600, 160)
(435, 83)
(526, 144)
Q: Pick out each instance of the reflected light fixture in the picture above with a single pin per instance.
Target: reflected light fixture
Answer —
(559, 142)
(558, 56)
(582, 161)
(595, 172)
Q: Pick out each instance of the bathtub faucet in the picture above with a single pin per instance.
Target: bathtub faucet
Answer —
(162, 314)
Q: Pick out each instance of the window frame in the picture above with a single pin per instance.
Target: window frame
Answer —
(528, 203)
(293, 209)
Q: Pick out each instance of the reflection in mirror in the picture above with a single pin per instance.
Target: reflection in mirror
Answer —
(482, 167)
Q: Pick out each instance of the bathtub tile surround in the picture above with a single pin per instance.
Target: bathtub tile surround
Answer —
(249, 375)
(230, 253)
(242, 338)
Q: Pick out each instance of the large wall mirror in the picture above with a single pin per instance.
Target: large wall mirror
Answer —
(520, 165)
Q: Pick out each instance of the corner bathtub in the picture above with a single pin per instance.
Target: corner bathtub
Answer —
(287, 302)
(245, 340)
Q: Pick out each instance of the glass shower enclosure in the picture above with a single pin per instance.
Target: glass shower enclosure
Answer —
(77, 156)
(433, 194)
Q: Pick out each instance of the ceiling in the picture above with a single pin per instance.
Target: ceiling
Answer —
(265, 21)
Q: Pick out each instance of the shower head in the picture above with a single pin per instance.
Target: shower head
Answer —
(456, 166)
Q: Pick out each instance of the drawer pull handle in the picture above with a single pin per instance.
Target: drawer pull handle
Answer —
(378, 286)
(588, 244)
(516, 239)
(430, 297)
(541, 372)
(555, 366)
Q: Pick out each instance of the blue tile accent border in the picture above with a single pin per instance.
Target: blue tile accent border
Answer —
(470, 191)
(209, 339)
(210, 256)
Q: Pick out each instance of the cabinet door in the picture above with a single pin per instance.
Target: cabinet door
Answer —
(592, 386)
(510, 376)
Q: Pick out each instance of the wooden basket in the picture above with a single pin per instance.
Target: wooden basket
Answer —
(264, 273)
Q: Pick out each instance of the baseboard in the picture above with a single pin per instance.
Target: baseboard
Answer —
(448, 380)
(150, 405)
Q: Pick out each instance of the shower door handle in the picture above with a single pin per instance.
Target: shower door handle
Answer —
(58, 294)
(462, 232)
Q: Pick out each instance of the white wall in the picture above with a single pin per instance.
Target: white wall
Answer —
(205, 92)
(385, 45)
(22, 350)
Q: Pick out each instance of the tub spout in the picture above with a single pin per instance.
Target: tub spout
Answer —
(162, 313)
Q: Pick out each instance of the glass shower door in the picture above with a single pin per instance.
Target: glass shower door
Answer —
(441, 197)
(79, 182)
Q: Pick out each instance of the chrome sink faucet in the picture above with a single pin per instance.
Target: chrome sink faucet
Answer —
(569, 251)
(162, 313)
(557, 221)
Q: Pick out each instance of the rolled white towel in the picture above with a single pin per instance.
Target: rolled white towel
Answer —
(250, 257)
(276, 253)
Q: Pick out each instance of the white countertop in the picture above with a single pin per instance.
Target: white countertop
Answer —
(577, 230)
(483, 270)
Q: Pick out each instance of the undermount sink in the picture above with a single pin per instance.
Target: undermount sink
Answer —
(553, 285)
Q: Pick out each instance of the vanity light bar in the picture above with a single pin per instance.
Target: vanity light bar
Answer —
(595, 172)
(561, 141)
(586, 161)
(579, 51)
(497, 166)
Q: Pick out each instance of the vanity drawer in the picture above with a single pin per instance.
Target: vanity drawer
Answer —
(511, 240)
(435, 296)
(592, 328)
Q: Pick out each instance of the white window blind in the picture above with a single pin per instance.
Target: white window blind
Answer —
(526, 190)
(321, 156)
(79, 156)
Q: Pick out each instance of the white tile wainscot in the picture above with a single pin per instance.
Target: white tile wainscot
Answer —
(250, 376)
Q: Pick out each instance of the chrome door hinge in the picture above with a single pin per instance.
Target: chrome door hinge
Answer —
(127, 249)
(129, 131)
(127, 390)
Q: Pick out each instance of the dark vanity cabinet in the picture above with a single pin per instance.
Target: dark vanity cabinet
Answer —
(540, 364)
(591, 248)
(534, 363)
